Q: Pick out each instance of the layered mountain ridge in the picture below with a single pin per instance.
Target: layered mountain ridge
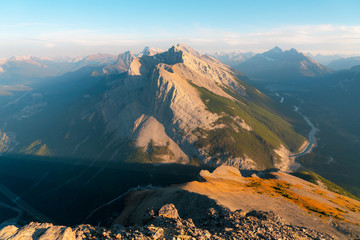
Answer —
(277, 64)
(175, 106)
(28, 69)
(344, 63)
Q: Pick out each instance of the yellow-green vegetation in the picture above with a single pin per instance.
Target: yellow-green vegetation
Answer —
(276, 187)
(36, 148)
(269, 130)
(315, 178)
(282, 188)
(279, 188)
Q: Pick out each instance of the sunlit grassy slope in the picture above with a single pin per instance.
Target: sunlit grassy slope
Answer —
(269, 127)
(318, 180)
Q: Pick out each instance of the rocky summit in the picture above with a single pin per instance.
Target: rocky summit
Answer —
(167, 224)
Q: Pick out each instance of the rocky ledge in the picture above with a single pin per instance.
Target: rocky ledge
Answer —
(167, 224)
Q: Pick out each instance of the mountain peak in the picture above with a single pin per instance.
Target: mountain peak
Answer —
(128, 53)
(97, 56)
(293, 51)
(276, 49)
(177, 52)
(150, 51)
(121, 64)
(186, 49)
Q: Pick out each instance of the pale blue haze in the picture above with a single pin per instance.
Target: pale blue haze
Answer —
(82, 27)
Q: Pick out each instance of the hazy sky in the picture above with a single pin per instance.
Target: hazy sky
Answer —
(58, 28)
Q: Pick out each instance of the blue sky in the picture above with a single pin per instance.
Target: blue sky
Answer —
(58, 28)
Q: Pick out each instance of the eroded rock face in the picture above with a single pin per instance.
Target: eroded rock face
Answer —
(167, 224)
(40, 231)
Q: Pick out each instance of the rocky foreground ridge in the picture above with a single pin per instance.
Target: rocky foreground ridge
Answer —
(224, 204)
(167, 224)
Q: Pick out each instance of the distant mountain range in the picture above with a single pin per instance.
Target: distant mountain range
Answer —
(25, 69)
(324, 59)
(232, 58)
(344, 63)
(20, 69)
(279, 65)
(336, 62)
(157, 108)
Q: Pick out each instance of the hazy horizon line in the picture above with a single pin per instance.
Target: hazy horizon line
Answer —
(137, 51)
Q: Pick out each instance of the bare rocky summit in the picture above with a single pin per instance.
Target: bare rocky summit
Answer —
(166, 224)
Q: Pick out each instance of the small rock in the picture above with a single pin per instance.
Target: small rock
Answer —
(212, 213)
(169, 211)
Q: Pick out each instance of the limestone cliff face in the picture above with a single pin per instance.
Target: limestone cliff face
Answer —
(155, 100)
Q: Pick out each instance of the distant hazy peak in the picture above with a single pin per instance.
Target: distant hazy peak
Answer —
(128, 55)
(232, 58)
(150, 51)
(233, 53)
(344, 63)
(275, 50)
(98, 56)
(278, 51)
(122, 63)
(19, 58)
(293, 50)
(281, 64)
